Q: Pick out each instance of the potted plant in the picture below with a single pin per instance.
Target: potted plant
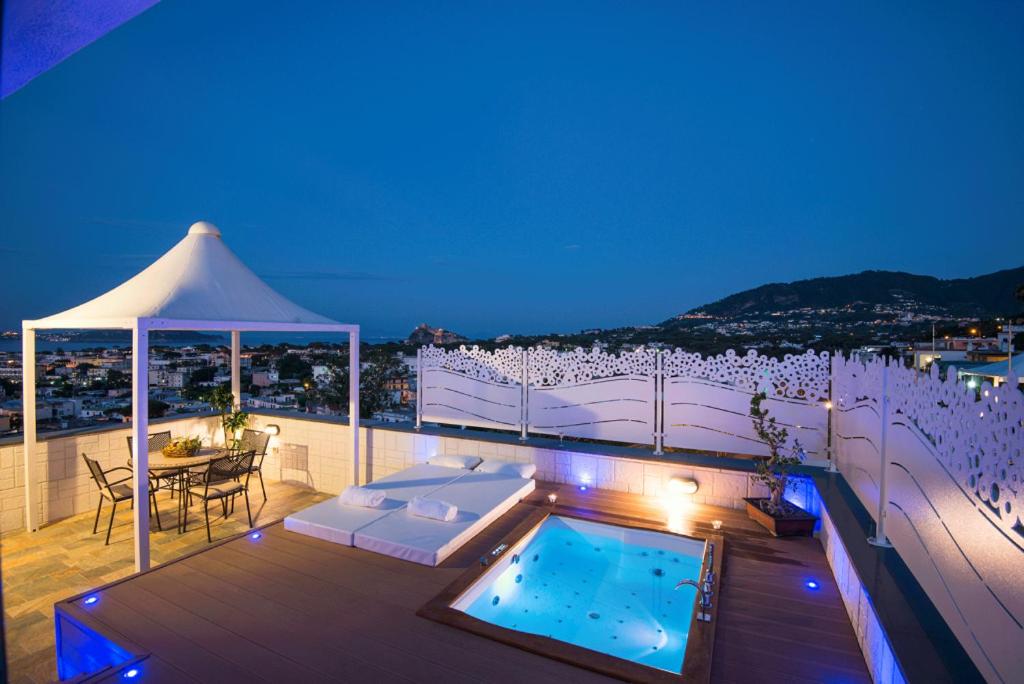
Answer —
(221, 399)
(779, 516)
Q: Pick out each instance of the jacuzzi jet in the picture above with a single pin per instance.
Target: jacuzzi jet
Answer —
(658, 572)
(593, 616)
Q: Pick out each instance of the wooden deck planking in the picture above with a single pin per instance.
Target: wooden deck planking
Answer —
(317, 605)
(65, 558)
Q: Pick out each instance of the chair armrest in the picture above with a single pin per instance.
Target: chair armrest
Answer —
(111, 483)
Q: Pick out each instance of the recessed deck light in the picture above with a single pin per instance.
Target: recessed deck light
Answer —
(131, 673)
(811, 584)
(89, 600)
(255, 535)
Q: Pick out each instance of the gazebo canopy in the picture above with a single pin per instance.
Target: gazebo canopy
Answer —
(198, 282)
(198, 285)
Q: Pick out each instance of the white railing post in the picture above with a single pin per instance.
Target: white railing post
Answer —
(880, 538)
(830, 405)
(659, 403)
(353, 399)
(419, 388)
(524, 408)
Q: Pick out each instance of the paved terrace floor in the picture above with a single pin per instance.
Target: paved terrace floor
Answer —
(64, 559)
(292, 608)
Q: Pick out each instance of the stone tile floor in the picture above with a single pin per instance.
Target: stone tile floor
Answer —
(64, 559)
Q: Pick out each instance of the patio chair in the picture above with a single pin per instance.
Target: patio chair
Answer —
(224, 479)
(116, 491)
(156, 442)
(254, 440)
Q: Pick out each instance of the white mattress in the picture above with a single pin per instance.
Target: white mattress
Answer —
(482, 498)
(336, 522)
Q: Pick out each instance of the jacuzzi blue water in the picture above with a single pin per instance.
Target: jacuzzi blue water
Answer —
(602, 587)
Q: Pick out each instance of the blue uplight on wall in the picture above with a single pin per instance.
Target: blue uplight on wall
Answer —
(131, 673)
(583, 488)
(89, 600)
(812, 585)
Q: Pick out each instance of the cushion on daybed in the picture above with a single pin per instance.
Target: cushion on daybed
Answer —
(450, 461)
(523, 470)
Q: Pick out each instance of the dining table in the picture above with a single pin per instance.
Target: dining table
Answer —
(181, 466)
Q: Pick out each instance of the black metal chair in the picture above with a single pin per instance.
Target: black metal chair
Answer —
(156, 442)
(224, 479)
(116, 491)
(256, 441)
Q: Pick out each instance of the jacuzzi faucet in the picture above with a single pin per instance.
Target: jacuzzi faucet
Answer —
(705, 598)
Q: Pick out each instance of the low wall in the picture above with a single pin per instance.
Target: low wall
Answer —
(315, 452)
(65, 487)
(874, 643)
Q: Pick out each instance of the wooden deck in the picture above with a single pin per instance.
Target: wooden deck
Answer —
(66, 558)
(292, 608)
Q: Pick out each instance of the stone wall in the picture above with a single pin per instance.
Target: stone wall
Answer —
(317, 453)
(323, 452)
(65, 487)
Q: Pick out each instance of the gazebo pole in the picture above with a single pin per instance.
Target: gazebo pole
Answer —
(140, 440)
(353, 397)
(28, 397)
(236, 368)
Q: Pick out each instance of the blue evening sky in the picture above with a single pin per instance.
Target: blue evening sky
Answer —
(520, 167)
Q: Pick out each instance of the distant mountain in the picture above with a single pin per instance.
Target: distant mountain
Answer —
(988, 295)
(424, 334)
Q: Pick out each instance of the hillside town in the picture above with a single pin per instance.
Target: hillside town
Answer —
(93, 386)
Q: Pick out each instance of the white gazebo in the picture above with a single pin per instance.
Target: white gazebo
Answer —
(198, 285)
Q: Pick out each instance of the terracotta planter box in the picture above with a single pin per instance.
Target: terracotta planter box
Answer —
(799, 523)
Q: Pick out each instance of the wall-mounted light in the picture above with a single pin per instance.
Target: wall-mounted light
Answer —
(272, 429)
(717, 524)
(682, 485)
(552, 498)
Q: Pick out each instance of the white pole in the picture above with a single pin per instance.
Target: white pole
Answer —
(419, 388)
(659, 404)
(829, 448)
(236, 369)
(140, 441)
(880, 538)
(1009, 348)
(353, 397)
(28, 400)
(524, 398)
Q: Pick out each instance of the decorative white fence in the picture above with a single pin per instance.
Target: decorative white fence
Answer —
(645, 396)
(940, 468)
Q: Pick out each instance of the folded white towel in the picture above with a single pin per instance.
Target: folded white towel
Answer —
(433, 508)
(363, 496)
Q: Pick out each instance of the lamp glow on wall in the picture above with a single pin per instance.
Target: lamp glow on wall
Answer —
(677, 501)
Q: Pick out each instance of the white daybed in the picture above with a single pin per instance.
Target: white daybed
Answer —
(336, 522)
(481, 498)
